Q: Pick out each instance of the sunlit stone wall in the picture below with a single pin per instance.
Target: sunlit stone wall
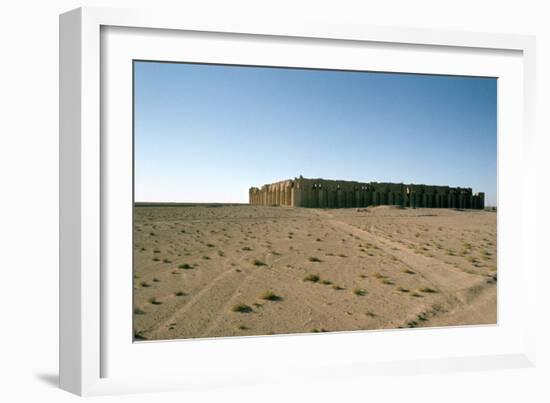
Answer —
(324, 193)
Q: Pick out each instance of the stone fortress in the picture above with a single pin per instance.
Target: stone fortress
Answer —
(323, 193)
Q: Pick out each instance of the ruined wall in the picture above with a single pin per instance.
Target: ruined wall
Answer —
(274, 194)
(322, 193)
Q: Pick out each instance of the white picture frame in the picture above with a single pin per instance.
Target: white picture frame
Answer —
(93, 348)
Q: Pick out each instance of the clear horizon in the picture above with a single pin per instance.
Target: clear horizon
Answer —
(207, 133)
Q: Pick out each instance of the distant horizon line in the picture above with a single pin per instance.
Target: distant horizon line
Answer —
(146, 203)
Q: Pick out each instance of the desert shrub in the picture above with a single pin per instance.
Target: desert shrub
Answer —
(241, 308)
(271, 296)
(155, 301)
(427, 290)
(359, 292)
(314, 278)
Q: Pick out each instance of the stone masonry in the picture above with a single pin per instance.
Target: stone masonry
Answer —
(323, 193)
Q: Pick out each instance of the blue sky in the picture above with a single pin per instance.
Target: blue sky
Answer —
(207, 133)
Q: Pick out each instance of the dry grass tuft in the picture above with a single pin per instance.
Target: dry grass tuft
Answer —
(271, 296)
(359, 292)
(155, 301)
(241, 308)
(314, 278)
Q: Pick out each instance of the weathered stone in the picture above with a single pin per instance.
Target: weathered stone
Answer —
(323, 193)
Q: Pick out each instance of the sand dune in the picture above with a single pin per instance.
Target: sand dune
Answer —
(207, 271)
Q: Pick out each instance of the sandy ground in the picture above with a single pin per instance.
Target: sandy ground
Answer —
(250, 270)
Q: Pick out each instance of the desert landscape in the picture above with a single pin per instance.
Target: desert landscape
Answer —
(211, 270)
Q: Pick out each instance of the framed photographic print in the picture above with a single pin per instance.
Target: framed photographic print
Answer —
(238, 196)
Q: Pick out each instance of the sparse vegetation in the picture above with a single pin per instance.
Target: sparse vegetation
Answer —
(242, 308)
(387, 276)
(271, 296)
(155, 301)
(492, 278)
(314, 278)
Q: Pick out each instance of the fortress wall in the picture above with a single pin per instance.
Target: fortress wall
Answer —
(322, 193)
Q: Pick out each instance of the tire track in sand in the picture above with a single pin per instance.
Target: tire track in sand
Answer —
(448, 280)
(208, 301)
(307, 297)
